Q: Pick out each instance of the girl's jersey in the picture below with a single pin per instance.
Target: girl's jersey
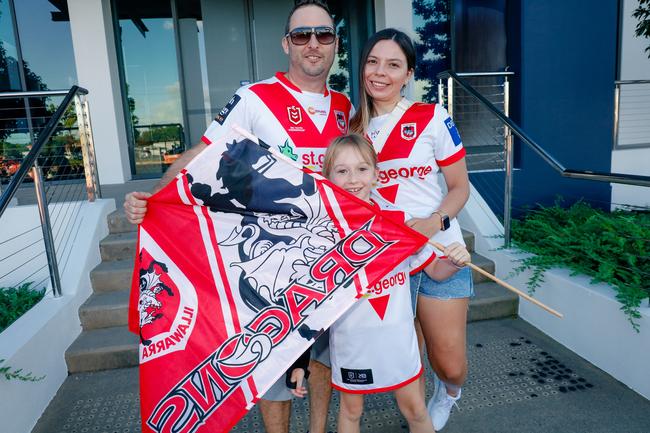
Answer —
(373, 346)
(423, 139)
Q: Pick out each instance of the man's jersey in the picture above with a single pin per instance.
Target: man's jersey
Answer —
(373, 346)
(423, 140)
(299, 124)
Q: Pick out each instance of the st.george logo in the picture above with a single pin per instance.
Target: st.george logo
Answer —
(295, 114)
(408, 131)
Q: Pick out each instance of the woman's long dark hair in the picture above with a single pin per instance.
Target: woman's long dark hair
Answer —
(359, 122)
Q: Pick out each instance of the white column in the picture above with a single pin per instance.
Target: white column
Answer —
(93, 41)
(394, 13)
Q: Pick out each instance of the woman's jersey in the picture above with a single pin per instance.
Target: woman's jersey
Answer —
(423, 139)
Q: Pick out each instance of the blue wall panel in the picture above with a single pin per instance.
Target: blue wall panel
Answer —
(564, 56)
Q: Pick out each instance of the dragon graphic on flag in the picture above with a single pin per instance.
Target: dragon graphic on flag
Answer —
(243, 260)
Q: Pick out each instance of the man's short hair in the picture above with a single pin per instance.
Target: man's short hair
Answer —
(302, 3)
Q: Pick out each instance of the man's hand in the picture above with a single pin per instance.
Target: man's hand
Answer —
(427, 226)
(135, 206)
(298, 376)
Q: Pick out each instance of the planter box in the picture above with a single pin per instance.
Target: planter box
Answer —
(593, 326)
(37, 341)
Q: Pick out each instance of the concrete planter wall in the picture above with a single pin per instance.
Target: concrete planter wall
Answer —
(37, 341)
(594, 326)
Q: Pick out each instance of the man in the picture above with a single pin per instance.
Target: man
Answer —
(298, 113)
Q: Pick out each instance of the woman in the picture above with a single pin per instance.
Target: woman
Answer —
(413, 142)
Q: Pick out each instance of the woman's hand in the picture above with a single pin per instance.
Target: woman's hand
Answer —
(427, 226)
(135, 206)
(298, 376)
(457, 253)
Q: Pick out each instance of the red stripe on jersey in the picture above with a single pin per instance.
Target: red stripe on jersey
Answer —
(451, 159)
(284, 80)
(378, 390)
(206, 140)
(397, 147)
(301, 129)
(423, 265)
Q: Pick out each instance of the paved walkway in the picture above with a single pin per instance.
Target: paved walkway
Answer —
(520, 381)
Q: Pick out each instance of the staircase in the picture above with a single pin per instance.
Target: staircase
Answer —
(105, 342)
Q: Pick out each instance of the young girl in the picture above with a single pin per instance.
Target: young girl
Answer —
(373, 346)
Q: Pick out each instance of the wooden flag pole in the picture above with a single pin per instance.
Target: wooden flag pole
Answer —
(504, 284)
(251, 137)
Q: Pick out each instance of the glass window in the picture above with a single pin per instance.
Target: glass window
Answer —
(150, 69)
(46, 44)
(9, 78)
(432, 44)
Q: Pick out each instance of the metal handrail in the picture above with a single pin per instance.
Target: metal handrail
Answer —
(623, 178)
(617, 82)
(40, 93)
(483, 74)
(30, 162)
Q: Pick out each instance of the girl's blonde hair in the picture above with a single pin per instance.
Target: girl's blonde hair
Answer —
(354, 141)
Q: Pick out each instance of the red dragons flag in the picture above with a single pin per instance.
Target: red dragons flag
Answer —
(242, 261)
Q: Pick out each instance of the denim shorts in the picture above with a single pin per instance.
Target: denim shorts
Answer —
(459, 285)
(320, 351)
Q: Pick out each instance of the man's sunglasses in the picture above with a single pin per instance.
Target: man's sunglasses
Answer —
(302, 35)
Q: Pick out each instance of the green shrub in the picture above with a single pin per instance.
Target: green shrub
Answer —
(15, 301)
(613, 248)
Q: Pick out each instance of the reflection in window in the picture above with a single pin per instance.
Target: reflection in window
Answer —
(9, 78)
(339, 78)
(47, 63)
(433, 46)
(46, 44)
(152, 84)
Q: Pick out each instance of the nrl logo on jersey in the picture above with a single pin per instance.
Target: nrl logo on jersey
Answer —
(295, 114)
(408, 131)
(340, 121)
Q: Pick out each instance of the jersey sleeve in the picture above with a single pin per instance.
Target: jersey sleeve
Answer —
(448, 147)
(234, 112)
(421, 259)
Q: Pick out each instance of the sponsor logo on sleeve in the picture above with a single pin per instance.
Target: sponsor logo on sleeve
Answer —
(225, 111)
(409, 131)
(451, 127)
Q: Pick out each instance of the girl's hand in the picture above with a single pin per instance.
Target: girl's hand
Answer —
(135, 206)
(426, 226)
(298, 376)
(457, 253)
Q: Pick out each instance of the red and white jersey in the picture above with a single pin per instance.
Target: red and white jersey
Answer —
(300, 124)
(409, 156)
(373, 346)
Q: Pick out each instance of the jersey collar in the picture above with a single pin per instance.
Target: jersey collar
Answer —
(284, 80)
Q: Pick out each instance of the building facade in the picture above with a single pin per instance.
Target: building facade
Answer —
(159, 70)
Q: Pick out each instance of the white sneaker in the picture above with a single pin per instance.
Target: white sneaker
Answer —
(440, 405)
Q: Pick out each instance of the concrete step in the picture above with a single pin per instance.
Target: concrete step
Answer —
(492, 301)
(483, 263)
(117, 222)
(468, 237)
(118, 246)
(112, 276)
(105, 310)
(103, 349)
